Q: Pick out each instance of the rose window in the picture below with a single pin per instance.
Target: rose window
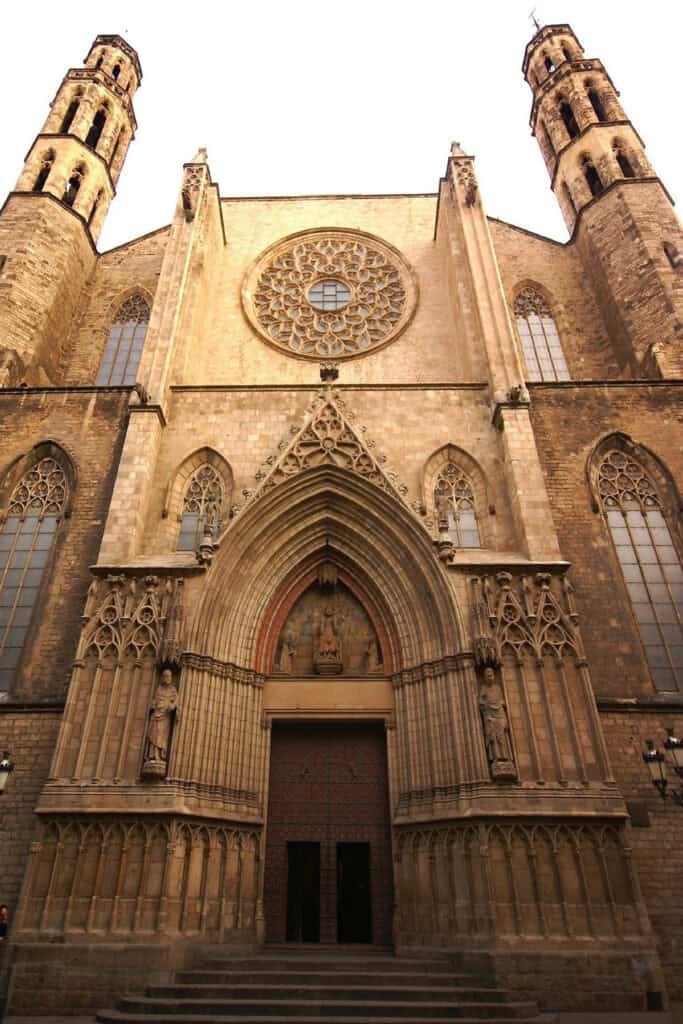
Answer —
(330, 294)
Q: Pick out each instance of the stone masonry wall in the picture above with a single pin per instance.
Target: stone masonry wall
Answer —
(569, 422)
(88, 426)
(527, 259)
(130, 268)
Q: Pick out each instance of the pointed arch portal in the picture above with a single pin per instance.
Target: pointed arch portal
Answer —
(327, 842)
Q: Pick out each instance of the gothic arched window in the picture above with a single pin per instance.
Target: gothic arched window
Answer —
(35, 507)
(44, 172)
(649, 563)
(202, 507)
(538, 335)
(98, 123)
(124, 345)
(454, 497)
(70, 114)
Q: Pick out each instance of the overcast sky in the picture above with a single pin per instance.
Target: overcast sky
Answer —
(361, 96)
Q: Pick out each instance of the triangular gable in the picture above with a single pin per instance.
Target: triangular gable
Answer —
(327, 437)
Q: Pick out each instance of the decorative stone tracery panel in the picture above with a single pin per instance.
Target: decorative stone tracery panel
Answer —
(280, 305)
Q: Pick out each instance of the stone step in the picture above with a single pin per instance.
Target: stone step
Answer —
(334, 992)
(331, 1009)
(345, 962)
(329, 977)
(121, 1017)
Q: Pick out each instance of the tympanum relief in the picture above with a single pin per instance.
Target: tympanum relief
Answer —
(328, 633)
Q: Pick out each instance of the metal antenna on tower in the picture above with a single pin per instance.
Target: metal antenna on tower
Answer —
(534, 20)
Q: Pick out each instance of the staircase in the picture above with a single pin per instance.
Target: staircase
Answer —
(322, 987)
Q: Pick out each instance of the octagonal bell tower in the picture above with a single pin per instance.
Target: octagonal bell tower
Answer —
(49, 224)
(619, 212)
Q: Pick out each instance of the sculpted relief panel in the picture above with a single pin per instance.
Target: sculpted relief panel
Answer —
(328, 633)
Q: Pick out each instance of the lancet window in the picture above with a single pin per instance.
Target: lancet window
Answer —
(202, 507)
(538, 334)
(26, 537)
(454, 498)
(649, 563)
(125, 342)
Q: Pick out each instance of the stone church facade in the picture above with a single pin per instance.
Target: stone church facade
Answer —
(341, 562)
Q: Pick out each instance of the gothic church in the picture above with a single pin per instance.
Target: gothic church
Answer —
(340, 564)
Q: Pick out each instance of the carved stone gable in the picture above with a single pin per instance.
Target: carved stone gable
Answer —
(328, 438)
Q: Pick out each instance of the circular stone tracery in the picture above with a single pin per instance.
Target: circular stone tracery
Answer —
(330, 294)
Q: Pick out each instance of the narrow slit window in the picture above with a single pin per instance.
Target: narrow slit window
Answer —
(124, 346)
(96, 128)
(454, 498)
(597, 105)
(570, 122)
(70, 115)
(649, 564)
(539, 338)
(202, 508)
(26, 538)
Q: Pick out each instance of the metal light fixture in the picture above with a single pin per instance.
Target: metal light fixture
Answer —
(657, 762)
(6, 767)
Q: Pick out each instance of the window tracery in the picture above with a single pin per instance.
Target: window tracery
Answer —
(329, 294)
(539, 337)
(202, 507)
(454, 498)
(649, 563)
(26, 537)
(125, 343)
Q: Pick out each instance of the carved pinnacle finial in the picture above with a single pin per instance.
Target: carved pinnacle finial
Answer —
(200, 157)
(457, 150)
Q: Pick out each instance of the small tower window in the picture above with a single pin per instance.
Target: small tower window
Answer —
(593, 179)
(44, 172)
(567, 115)
(624, 163)
(454, 497)
(35, 508)
(125, 342)
(98, 62)
(565, 52)
(116, 71)
(549, 66)
(69, 116)
(649, 563)
(597, 104)
(539, 338)
(202, 508)
(98, 123)
(72, 186)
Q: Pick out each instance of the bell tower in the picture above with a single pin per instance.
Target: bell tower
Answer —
(49, 224)
(617, 209)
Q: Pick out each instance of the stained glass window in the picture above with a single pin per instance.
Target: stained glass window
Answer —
(26, 537)
(649, 563)
(538, 335)
(124, 345)
(202, 507)
(453, 495)
(329, 295)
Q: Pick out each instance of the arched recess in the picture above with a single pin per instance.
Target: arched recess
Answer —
(366, 531)
(23, 463)
(179, 483)
(481, 489)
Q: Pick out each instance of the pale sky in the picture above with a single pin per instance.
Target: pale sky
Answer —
(364, 96)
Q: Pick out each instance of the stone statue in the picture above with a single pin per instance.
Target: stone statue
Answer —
(327, 643)
(287, 654)
(160, 726)
(496, 727)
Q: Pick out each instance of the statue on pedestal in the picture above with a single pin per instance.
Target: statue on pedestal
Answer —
(496, 727)
(160, 726)
(327, 652)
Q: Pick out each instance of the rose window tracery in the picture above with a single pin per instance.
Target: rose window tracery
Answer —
(330, 294)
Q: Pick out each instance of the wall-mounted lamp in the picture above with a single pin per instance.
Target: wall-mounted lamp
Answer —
(6, 767)
(657, 762)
